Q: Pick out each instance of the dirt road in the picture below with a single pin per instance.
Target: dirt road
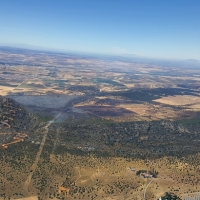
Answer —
(37, 158)
(145, 190)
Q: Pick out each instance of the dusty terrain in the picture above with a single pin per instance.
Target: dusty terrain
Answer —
(92, 123)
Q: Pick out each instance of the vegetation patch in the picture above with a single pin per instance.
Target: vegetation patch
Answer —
(107, 81)
(169, 196)
(151, 94)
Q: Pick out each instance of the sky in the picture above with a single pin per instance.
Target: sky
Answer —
(146, 28)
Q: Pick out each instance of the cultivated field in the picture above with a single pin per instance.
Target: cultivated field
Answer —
(92, 123)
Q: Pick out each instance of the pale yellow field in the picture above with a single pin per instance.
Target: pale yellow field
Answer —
(153, 112)
(140, 109)
(179, 100)
(195, 107)
(29, 198)
(5, 90)
(146, 111)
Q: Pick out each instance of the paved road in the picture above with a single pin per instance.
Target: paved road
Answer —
(145, 190)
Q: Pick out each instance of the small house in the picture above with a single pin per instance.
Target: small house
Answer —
(146, 175)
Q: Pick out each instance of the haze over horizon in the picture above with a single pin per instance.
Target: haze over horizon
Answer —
(156, 29)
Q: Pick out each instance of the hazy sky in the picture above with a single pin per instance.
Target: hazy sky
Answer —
(152, 28)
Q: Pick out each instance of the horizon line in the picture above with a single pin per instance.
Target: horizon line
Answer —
(65, 51)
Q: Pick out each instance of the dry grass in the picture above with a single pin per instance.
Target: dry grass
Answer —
(179, 100)
(126, 111)
(29, 198)
(5, 90)
(173, 176)
(195, 107)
